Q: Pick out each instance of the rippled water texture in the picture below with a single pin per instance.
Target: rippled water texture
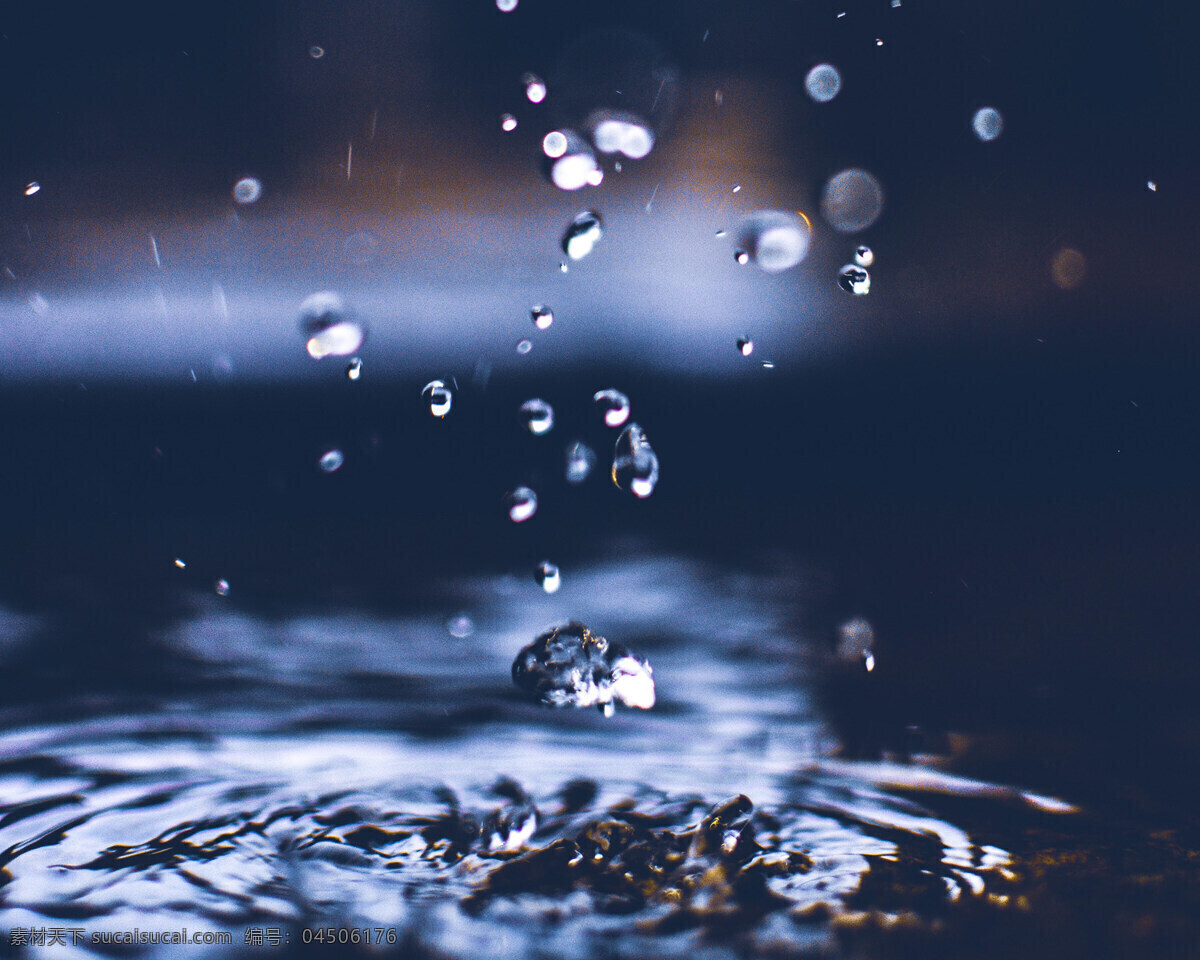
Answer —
(342, 769)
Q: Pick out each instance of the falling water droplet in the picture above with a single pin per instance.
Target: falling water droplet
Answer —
(852, 200)
(547, 576)
(542, 316)
(316, 52)
(506, 6)
(524, 346)
(582, 234)
(537, 416)
(354, 369)
(247, 190)
(438, 396)
(741, 256)
(535, 88)
(508, 123)
(613, 405)
(768, 365)
(180, 563)
(635, 464)
(774, 240)
(619, 131)
(570, 163)
(554, 144)
(324, 320)
(1151, 186)
(331, 461)
(745, 346)
(854, 280)
(562, 267)
(460, 626)
(521, 504)
(580, 460)
(32, 187)
(221, 587)
(987, 123)
(856, 643)
(864, 256)
(823, 82)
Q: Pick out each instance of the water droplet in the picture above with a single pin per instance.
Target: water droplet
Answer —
(852, 200)
(614, 406)
(856, 643)
(439, 397)
(580, 460)
(316, 52)
(524, 346)
(535, 88)
(32, 187)
(774, 240)
(354, 369)
(331, 461)
(222, 587)
(521, 504)
(1068, 268)
(635, 464)
(570, 666)
(180, 563)
(324, 320)
(987, 123)
(745, 346)
(537, 416)
(878, 42)
(542, 316)
(1151, 186)
(741, 256)
(506, 6)
(508, 123)
(547, 576)
(619, 131)
(554, 144)
(854, 279)
(582, 234)
(864, 256)
(895, 3)
(247, 190)
(460, 626)
(823, 82)
(768, 365)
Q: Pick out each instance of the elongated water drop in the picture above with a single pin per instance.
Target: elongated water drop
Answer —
(521, 504)
(582, 235)
(547, 576)
(635, 464)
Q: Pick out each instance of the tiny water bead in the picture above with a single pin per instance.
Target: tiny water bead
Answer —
(460, 626)
(580, 461)
(521, 504)
(635, 464)
(854, 279)
(524, 346)
(745, 346)
(613, 405)
(569, 666)
(247, 190)
(325, 322)
(554, 144)
(535, 87)
(32, 187)
(582, 234)
(438, 396)
(987, 123)
(547, 576)
(316, 52)
(741, 256)
(331, 461)
(221, 587)
(852, 200)
(542, 316)
(823, 82)
(180, 563)
(864, 256)
(508, 123)
(537, 416)
(1151, 186)
(773, 240)
(354, 369)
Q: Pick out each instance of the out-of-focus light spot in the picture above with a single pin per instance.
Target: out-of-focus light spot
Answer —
(336, 340)
(506, 6)
(180, 562)
(852, 200)
(554, 144)
(1068, 268)
(823, 82)
(1151, 186)
(508, 123)
(39, 304)
(316, 52)
(573, 171)
(987, 123)
(535, 88)
(768, 365)
(773, 240)
(869, 662)
(221, 587)
(622, 133)
(32, 187)
(460, 626)
(745, 346)
(741, 256)
(247, 190)
(596, 177)
(524, 346)
(878, 42)
(331, 461)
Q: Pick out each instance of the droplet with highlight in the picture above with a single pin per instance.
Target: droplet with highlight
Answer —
(537, 416)
(331, 461)
(221, 587)
(773, 240)
(438, 396)
(524, 346)
(506, 6)
(582, 234)
(613, 406)
(987, 123)
(569, 162)
(32, 187)
(316, 52)
(542, 316)
(580, 461)
(460, 626)
(508, 123)
(521, 504)
(635, 464)
(854, 279)
(354, 369)
(247, 190)
(535, 88)
(864, 256)
(547, 576)
(619, 131)
(326, 323)
(554, 144)
(745, 346)
(823, 82)
(852, 200)
(741, 256)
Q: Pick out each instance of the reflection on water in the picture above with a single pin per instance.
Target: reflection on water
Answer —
(353, 770)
